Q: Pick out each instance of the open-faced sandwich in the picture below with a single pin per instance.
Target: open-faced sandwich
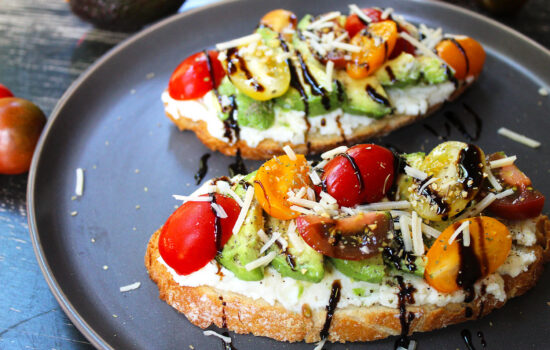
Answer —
(315, 84)
(361, 246)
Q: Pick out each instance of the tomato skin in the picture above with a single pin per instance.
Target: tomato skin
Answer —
(375, 164)
(5, 92)
(21, 123)
(191, 79)
(465, 55)
(352, 238)
(187, 240)
(354, 24)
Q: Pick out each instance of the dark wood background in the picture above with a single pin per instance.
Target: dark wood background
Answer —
(43, 49)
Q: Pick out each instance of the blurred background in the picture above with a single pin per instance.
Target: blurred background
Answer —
(44, 47)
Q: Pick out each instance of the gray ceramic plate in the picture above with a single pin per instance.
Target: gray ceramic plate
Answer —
(111, 123)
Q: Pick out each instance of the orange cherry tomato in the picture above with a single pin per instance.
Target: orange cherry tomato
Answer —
(465, 55)
(273, 181)
(491, 243)
(376, 43)
(280, 20)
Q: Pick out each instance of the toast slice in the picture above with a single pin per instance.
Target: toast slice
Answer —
(316, 143)
(205, 305)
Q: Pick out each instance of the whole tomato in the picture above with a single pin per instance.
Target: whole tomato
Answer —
(21, 123)
(5, 92)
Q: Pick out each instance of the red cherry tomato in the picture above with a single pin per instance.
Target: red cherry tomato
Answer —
(374, 165)
(523, 204)
(353, 238)
(5, 92)
(354, 24)
(192, 78)
(187, 240)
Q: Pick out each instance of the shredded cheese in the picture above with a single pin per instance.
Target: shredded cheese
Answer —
(387, 12)
(355, 9)
(320, 344)
(262, 235)
(492, 179)
(302, 210)
(325, 18)
(333, 152)
(430, 231)
(466, 236)
(499, 163)
(192, 198)
(417, 174)
(328, 198)
(262, 261)
(306, 203)
(79, 187)
(514, 136)
(422, 48)
(222, 337)
(245, 40)
(416, 230)
(220, 212)
(479, 207)
(458, 230)
(385, 205)
(427, 183)
(330, 68)
(225, 188)
(404, 226)
(130, 287)
(296, 242)
(346, 47)
(503, 194)
(315, 179)
(290, 152)
(244, 210)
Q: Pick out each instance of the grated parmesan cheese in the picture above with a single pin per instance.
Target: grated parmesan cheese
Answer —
(262, 235)
(325, 18)
(222, 337)
(262, 261)
(514, 136)
(499, 163)
(220, 212)
(333, 152)
(404, 226)
(459, 229)
(130, 287)
(245, 40)
(385, 205)
(315, 177)
(192, 198)
(346, 47)
(79, 187)
(493, 180)
(290, 152)
(479, 207)
(244, 210)
(506, 193)
(320, 344)
(387, 12)
(417, 174)
(330, 68)
(416, 233)
(355, 9)
(302, 210)
(422, 48)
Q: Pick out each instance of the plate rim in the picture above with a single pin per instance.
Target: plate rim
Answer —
(70, 310)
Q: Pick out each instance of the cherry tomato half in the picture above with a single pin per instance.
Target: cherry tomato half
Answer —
(187, 240)
(363, 175)
(192, 79)
(5, 92)
(354, 24)
(21, 123)
(353, 238)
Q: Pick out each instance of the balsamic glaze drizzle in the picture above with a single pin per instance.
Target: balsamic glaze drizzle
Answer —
(238, 167)
(217, 225)
(469, 267)
(356, 170)
(405, 296)
(482, 339)
(467, 337)
(477, 119)
(434, 198)
(377, 97)
(390, 74)
(469, 160)
(316, 89)
(331, 307)
(463, 52)
(203, 168)
(226, 345)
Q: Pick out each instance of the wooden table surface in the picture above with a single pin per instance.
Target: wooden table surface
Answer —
(43, 49)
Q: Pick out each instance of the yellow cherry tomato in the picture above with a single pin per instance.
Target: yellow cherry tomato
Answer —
(465, 55)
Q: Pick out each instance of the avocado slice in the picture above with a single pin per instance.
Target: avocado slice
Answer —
(369, 270)
(300, 263)
(404, 181)
(365, 96)
(244, 247)
(250, 112)
(399, 72)
(433, 71)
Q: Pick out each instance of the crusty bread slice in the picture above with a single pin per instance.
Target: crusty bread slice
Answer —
(203, 306)
(317, 143)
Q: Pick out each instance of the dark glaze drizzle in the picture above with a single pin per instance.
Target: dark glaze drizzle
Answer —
(217, 225)
(469, 268)
(331, 307)
(341, 129)
(264, 192)
(232, 68)
(405, 296)
(467, 337)
(203, 168)
(463, 52)
(238, 167)
(356, 170)
(289, 258)
(483, 291)
(316, 89)
(230, 123)
(469, 161)
(482, 339)
(226, 345)
(390, 74)
(477, 119)
(434, 198)
(377, 97)
(435, 133)
(457, 123)
(451, 76)
(211, 74)
(468, 312)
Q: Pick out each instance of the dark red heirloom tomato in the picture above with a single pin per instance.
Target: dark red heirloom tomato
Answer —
(354, 24)
(353, 238)
(5, 92)
(364, 174)
(525, 203)
(192, 79)
(187, 240)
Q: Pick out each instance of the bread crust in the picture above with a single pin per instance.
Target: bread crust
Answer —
(203, 306)
(317, 143)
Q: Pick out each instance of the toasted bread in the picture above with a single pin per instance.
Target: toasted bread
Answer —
(203, 305)
(317, 143)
